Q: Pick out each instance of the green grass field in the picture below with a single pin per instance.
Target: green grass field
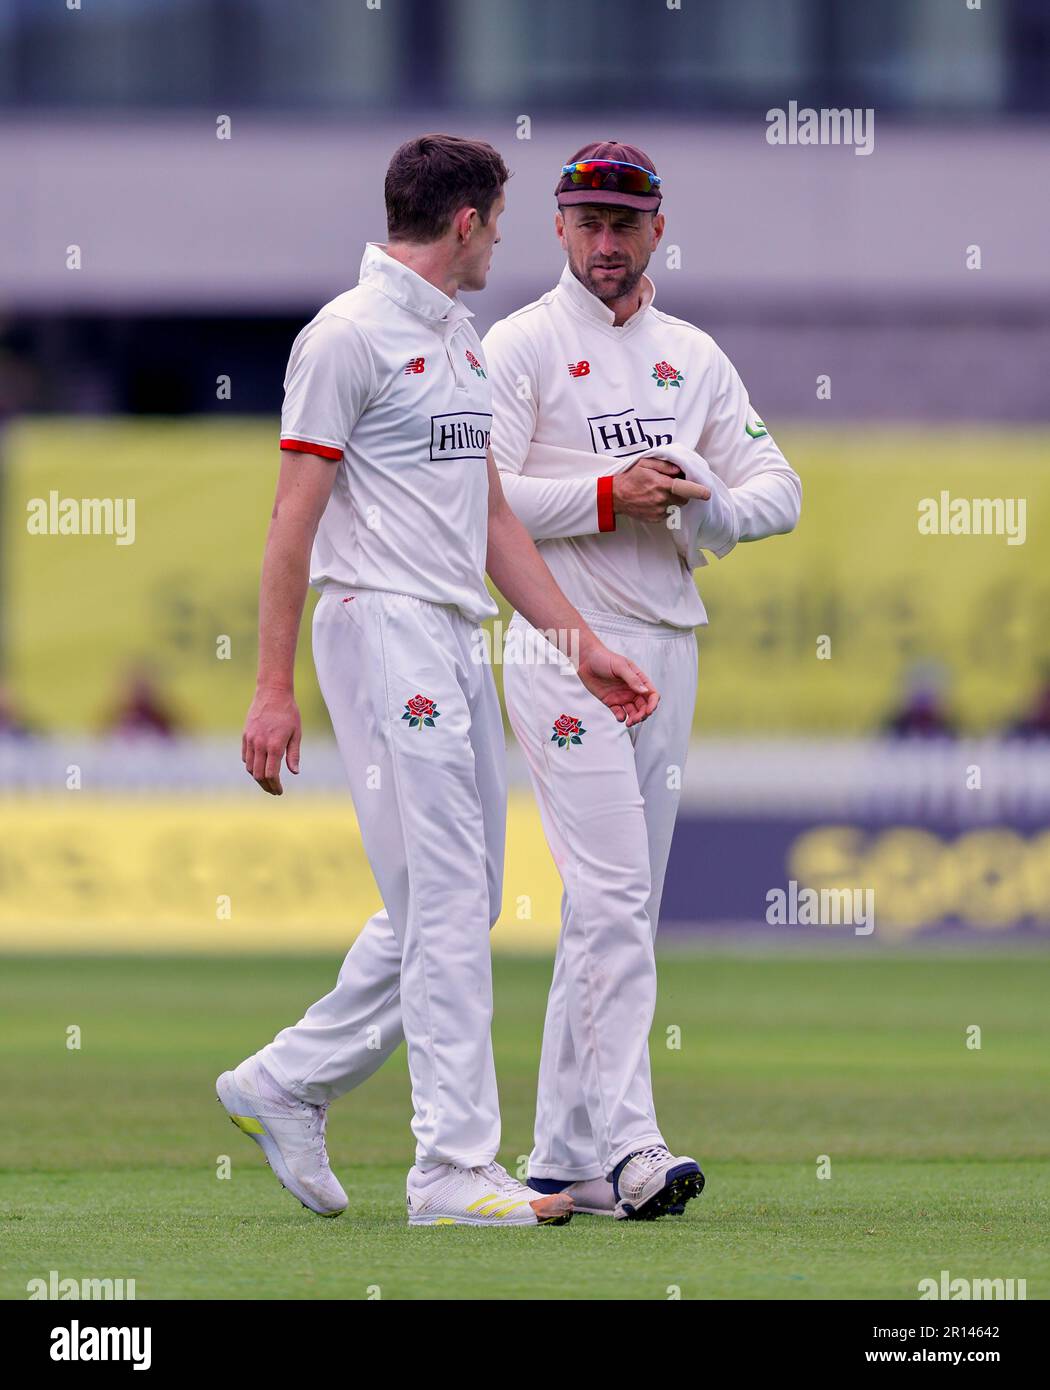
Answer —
(938, 1153)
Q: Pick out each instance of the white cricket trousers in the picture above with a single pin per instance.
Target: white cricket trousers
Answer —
(608, 797)
(417, 720)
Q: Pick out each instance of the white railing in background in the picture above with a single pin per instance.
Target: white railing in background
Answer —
(978, 780)
(727, 776)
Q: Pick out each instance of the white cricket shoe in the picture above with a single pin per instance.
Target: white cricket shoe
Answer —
(289, 1132)
(654, 1183)
(452, 1196)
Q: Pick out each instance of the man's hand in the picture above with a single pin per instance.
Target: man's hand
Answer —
(618, 683)
(272, 729)
(650, 486)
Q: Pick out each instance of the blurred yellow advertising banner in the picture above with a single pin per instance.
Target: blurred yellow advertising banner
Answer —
(80, 873)
(131, 544)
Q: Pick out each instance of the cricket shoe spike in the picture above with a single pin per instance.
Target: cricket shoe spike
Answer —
(449, 1195)
(289, 1132)
(590, 1196)
(652, 1183)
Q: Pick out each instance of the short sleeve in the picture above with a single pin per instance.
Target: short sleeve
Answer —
(329, 382)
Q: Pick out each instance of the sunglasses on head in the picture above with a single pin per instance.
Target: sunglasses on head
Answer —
(613, 174)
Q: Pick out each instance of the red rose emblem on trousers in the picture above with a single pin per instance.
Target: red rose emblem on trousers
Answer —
(420, 707)
(567, 731)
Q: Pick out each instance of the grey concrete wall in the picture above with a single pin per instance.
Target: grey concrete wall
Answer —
(169, 215)
(797, 258)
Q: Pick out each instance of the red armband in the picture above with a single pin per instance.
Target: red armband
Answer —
(606, 514)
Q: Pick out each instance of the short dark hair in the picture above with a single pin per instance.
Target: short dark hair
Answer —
(432, 177)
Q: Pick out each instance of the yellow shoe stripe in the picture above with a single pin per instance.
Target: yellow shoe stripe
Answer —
(490, 1206)
(505, 1210)
(483, 1201)
(501, 1207)
(248, 1123)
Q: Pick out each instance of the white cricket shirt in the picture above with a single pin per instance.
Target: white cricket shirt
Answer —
(564, 375)
(390, 379)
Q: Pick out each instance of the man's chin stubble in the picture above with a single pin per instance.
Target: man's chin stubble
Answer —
(606, 292)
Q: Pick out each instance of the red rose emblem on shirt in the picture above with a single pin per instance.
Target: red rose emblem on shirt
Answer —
(665, 375)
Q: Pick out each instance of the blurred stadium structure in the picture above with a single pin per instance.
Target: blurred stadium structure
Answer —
(154, 372)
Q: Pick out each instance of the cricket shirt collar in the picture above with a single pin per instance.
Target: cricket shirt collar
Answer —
(590, 307)
(408, 289)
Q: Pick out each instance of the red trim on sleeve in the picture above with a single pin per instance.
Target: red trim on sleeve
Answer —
(303, 446)
(606, 515)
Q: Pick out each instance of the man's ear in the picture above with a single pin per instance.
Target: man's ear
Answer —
(659, 222)
(465, 223)
(559, 226)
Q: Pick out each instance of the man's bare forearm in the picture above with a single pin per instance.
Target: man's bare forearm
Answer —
(282, 594)
(303, 489)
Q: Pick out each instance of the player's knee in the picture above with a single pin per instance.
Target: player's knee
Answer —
(616, 904)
